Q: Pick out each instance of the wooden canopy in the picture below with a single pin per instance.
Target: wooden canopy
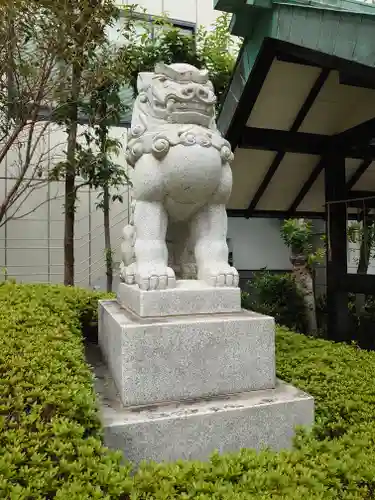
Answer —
(303, 88)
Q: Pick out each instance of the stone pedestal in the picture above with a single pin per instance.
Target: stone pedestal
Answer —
(189, 297)
(191, 380)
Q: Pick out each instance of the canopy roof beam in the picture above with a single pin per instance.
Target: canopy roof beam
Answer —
(262, 59)
(284, 141)
(301, 115)
(315, 174)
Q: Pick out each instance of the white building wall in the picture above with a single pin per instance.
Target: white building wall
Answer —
(200, 12)
(31, 245)
(256, 244)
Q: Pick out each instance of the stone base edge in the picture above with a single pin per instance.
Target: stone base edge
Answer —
(193, 430)
(189, 297)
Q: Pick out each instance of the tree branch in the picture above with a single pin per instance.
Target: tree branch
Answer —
(32, 210)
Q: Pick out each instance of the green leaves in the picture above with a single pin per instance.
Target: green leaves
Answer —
(212, 48)
(276, 295)
(297, 235)
(334, 461)
(50, 434)
(218, 50)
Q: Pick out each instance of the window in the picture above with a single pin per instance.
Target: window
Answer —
(145, 25)
(184, 28)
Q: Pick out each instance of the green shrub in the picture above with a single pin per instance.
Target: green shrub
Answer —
(50, 434)
(276, 295)
(335, 461)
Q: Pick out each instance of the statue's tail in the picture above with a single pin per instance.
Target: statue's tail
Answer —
(128, 241)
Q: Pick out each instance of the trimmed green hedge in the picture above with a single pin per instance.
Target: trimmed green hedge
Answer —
(336, 461)
(50, 437)
(50, 434)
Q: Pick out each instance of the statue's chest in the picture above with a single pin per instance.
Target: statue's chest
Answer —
(191, 172)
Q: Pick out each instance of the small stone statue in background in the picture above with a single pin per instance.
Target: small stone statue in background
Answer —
(182, 181)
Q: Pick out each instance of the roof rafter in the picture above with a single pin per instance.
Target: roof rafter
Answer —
(360, 133)
(250, 92)
(301, 115)
(352, 143)
(366, 129)
(279, 214)
(306, 187)
(358, 174)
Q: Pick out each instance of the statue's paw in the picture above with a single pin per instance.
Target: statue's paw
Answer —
(127, 274)
(219, 275)
(155, 277)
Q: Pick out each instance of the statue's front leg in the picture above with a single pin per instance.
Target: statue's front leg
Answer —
(211, 249)
(151, 254)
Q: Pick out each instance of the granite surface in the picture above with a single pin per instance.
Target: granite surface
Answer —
(193, 429)
(189, 297)
(173, 358)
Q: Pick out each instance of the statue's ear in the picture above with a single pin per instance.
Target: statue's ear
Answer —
(203, 73)
(144, 80)
(162, 68)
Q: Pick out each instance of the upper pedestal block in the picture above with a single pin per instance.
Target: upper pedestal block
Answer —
(183, 357)
(189, 297)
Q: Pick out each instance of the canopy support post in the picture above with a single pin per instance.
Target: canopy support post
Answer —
(336, 217)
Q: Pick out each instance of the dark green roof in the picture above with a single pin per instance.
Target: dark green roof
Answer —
(343, 28)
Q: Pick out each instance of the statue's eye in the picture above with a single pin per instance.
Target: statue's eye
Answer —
(162, 79)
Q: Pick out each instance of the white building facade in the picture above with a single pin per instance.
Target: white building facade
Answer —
(31, 243)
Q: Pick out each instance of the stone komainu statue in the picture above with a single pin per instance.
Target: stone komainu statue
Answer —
(181, 183)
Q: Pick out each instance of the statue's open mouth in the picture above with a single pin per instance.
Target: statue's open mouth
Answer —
(191, 106)
(188, 106)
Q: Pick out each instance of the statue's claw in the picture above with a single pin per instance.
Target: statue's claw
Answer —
(219, 275)
(127, 274)
(155, 277)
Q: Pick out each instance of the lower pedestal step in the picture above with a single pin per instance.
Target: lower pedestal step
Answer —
(193, 430)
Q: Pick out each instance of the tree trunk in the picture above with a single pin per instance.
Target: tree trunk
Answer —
(103, 136)
(69, 228)
(70, 175)
(305, 285)
(107, 240)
